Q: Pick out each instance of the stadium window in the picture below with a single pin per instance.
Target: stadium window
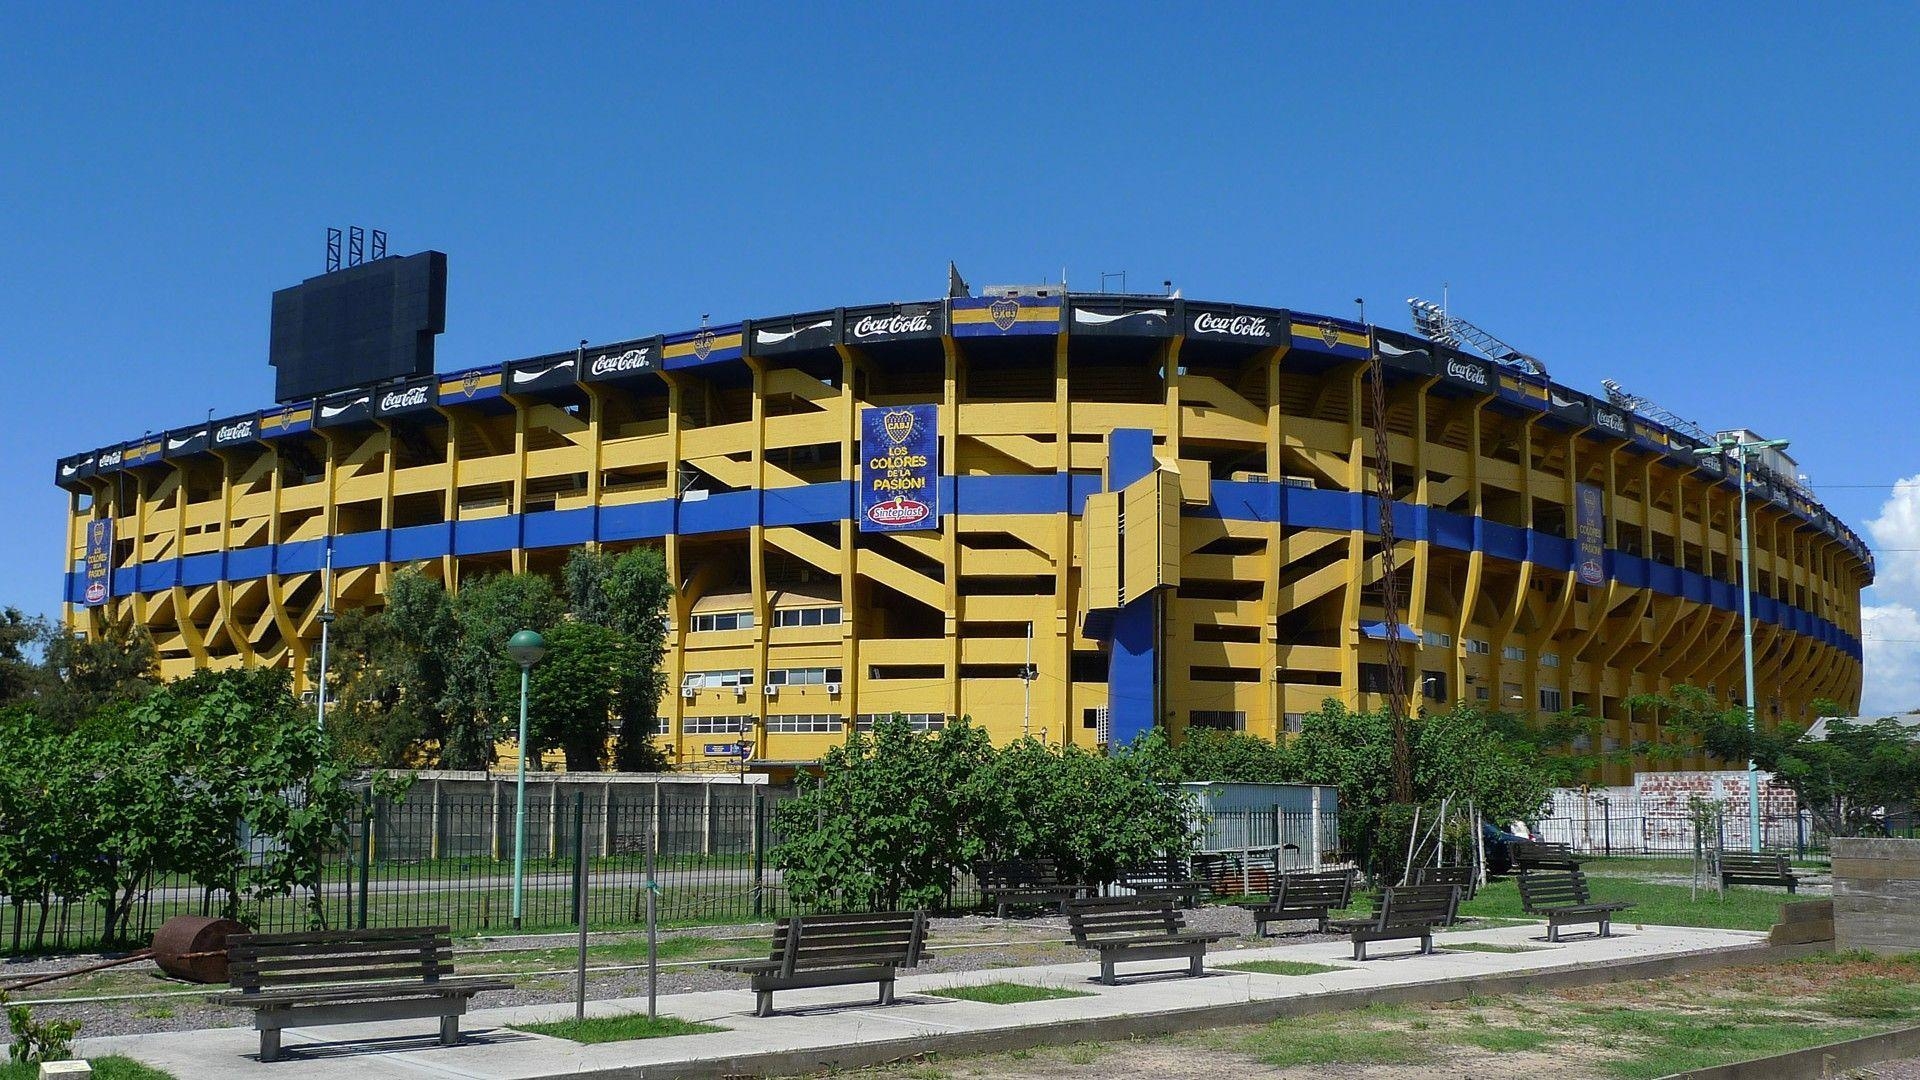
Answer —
(1475, 645)
(882, 672)
(1217, 719)
(1513, 652)
(1374, 680)
(805, 723)
(1510, 694)
(1438, 640)
(803, 676)
(1550, 700)
(722, 620)
(918, 721)
(1480, 693)
(662, 725)
(714, 725)
(1090, 719)
(1294, 723)
(807, 616)
(1549, 659)
(1433, 685)
(718, 680)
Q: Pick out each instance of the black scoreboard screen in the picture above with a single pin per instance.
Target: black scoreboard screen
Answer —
(364, 324)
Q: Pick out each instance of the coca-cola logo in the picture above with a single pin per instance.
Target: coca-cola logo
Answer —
(234, 432)
(404, 399)
(609, 364)
(1612, 421)
(888, 325)
(110, 459)
(1236, 325)
(898, 512)
(1472, 373)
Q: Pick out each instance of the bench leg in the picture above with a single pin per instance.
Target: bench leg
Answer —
(270, 1044)
(1106, 970)
(1198, 967)
(1426, 943)
(1000, 910)
(1359, 950)
(450, 1031)
(886, 992)
(1553, 931)
(1606, 926)
(763, 1003)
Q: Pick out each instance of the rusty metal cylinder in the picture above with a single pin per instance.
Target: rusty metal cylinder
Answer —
(194, 947)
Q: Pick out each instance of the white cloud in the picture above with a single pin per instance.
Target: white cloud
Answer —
(1890, 629)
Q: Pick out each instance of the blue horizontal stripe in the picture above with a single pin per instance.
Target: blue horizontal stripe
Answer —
(832, 501)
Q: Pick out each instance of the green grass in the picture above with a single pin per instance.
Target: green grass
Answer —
(618, 1028)
(1503, 1040)
(106, 1068)
(1007, 993)
(1662, 1041)
(1346, 1039)
(1488, 946)
(1660, 905)
(1283, 967)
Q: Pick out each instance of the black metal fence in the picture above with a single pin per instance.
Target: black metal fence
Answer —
(448, 859)
(1632, 831)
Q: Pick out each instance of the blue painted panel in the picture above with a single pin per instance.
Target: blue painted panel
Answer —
(1305, 508)
(162, 574)
(1411, 522)
(1721, 594)
(1129, 456)
(1239, 501)
(637, 521)
(417, 542)
(814, 503)
(1079, 486)
(1043, 494)
(1630, 570)
(1131, 667)
(1693, 586)
(299, 557)
(360, 548)
(720, 513)
(1663, 579)
(246, 563)
(486, 535)
(126, 581)
(1503, 541)
(557, 528)
(1764, 608)
(1454, 531)
(201, 569)
(76, 590)
(1552, 552)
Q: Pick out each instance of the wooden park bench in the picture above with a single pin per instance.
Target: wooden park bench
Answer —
(348, 977)
(1025, 882)
(834, 950)
(1543, 855)
(1163, 877)
(1562, 896)
(1739, 868)
(1126, 928)
(1463, 876)
(1405, 911)
(1304, 896)
(1237, 874)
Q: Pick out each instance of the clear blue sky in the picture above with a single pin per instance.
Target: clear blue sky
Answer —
(1715, 206)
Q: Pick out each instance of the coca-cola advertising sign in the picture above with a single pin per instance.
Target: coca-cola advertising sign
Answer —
(1233, 325)
(231, 432)
(403, 399)
(797, 334)
(622, 362)
(1468, 372)
(873, 325)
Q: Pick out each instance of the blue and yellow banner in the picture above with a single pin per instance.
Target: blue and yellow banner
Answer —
(476, 385)
(1590, 534)
(99, 561)
(707, 345)
(1337, 336)
(1005, 316)
(900, 469)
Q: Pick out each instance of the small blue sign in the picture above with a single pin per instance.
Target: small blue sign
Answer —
(900, 469)
(729, 749)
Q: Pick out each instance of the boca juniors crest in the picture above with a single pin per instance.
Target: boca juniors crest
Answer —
(899, 469)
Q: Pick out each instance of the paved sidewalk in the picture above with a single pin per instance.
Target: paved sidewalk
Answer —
(811, 1026)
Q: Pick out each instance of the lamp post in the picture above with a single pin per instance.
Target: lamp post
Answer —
(526, 647)
(1741, 450)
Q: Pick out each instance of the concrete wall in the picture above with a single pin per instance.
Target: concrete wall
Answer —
(1876, 895)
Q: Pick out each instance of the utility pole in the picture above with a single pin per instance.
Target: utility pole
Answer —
(1389, 582)
(326, 627)
(1741, 449)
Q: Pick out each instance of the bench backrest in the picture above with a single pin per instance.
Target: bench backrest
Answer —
(1540, 889)
(1101, 917)
(1019, 873)
(877, 938)
(1166, 870)
(265, 961)
(1748, 863)
(1331, 889)
(1416, 905)
(1229, 875)
(1526, 853)
(1442, 875)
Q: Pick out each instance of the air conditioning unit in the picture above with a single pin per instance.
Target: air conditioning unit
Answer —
(833, 688)
(740, 690)
(689, 692)
(772, 689)
(1102, 726)
(1245, 477)
(1307, 482)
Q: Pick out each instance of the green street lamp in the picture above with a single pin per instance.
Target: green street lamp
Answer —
(526, 647)
(1741, 451)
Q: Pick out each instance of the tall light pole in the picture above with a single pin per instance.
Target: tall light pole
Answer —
(526, 647)
(326, 626)
(1741, 450)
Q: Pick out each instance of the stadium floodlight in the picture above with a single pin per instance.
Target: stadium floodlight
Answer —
(526, 647)
(1742, 450)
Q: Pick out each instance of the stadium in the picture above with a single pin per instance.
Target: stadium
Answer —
(1066, 515)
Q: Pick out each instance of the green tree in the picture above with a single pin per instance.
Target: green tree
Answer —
(573, 692)
(1227, 757)
(87, 675)
(486, 612)
(20, 674)
(388, 688)
(628, 593)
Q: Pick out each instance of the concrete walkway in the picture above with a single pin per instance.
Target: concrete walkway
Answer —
(841, 1027)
